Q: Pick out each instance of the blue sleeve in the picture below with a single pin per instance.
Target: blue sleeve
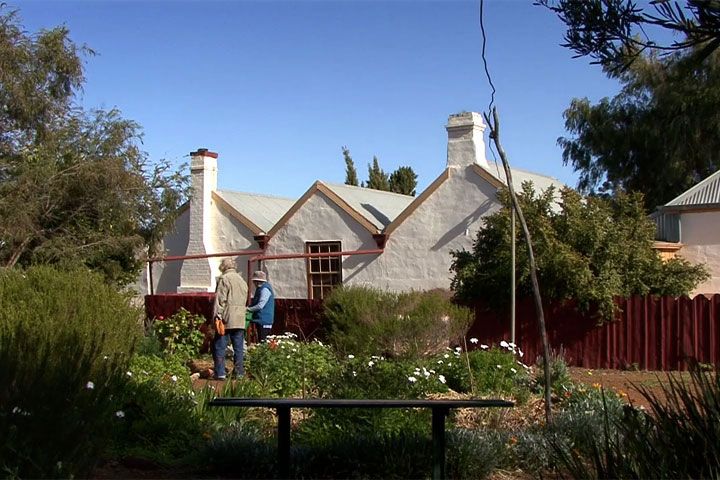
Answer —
(264, 297)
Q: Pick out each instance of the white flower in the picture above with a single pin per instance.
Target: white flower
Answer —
(174, 378)
(499, 366)
(16, 410)
(484, 347)
(432, 371)
(457, 349)
(504, 344)
(511, 344)
(474, 340)
(351, 356)
(105, 357)
(128, 373)
(513, 370)
(354, 373)
(446, 356)
(89, 385)
(441, 378)
(520, 352)
(412, 379)
(120, 414)
(371, 363)
(439, 362)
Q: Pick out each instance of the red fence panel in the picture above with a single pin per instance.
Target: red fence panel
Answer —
(652, 333)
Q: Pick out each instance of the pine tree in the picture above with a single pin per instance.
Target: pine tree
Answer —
(377, 178)
(403, 180)
(351, 177)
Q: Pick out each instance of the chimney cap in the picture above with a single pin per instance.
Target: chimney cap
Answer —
(203, 152)
(464, 119)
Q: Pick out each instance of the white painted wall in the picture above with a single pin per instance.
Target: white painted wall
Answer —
(318, 220)
(230, 235)
(417, 255)
(700, 236)
(418, 251)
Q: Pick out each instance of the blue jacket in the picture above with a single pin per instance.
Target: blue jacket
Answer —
(263, 314)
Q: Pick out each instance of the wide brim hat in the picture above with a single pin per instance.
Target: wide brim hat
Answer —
(259, 276)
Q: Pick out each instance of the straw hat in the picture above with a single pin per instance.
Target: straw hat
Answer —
(259, 276)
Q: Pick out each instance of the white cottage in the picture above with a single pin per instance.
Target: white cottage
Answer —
(689, 226)
(382, 239)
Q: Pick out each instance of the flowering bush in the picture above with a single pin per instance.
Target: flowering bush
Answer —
(286, 367)
(487, 370)
(179, 334)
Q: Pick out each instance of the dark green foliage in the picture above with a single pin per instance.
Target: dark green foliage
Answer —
(75, 189)
(366, 321)
(678, 438)
(65, 342)
(403, 180)
(590, 251)
(613, 32)
(351, 177)
(377, 178)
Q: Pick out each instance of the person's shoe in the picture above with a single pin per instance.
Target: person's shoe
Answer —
(221, 377)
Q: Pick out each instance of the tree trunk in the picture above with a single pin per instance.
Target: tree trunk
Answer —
(494, 126)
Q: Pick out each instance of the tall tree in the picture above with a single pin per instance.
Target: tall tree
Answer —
(351, 177)
(613, 33)
(657, 136)
(75, 187)
(403, 180)
(377, 178)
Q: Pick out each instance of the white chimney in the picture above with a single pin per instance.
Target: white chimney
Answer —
(197, 275)
(465, 140)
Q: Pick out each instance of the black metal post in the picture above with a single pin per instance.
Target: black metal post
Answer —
(438, 441)
(283, 414)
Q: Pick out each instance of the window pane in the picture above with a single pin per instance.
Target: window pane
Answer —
(314, 265)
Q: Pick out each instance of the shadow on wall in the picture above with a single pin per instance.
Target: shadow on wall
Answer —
(459, 229)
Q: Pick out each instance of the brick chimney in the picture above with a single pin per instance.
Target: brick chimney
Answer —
(466, 144)
(197, 275)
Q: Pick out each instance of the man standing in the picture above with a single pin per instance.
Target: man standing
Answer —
(262, 305)
(230, 296)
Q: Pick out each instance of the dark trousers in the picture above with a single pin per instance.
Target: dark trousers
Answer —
(236, 336)
(263, 331)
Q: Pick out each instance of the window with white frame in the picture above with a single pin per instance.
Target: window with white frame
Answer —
(323, 273)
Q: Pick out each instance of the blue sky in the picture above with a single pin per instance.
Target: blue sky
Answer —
(278, 87)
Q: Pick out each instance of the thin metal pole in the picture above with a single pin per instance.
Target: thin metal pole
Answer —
(438, 442)
(283, 441)
(150, 277)
(512, 276)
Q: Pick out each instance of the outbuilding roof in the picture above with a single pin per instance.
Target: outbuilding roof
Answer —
(704, 193)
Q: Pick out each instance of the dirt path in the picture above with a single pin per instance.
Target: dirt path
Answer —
(623, 382)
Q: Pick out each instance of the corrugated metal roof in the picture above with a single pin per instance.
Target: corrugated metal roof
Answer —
(263, 210)
(380, 208)
(705, 192)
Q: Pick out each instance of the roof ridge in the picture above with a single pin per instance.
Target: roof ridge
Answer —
(256, 194)
(365, 189)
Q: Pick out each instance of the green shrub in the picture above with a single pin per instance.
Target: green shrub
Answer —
(219, 419)
(367, 321)
(475, 454)
(65, 342)
(159, 420)
(179, 334)
(559, 373)
(286, 367)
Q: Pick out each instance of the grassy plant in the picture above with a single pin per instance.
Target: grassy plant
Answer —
(559, 373)
(678, 438)
(366, 321)
(65, 340)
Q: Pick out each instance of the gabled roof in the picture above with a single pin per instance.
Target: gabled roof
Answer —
(704, 193)
(257, 212)
(373, 209)
(520, 176)
(379, 207)
(540, 182)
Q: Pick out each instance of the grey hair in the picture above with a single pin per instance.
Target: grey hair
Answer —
(226, 264)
